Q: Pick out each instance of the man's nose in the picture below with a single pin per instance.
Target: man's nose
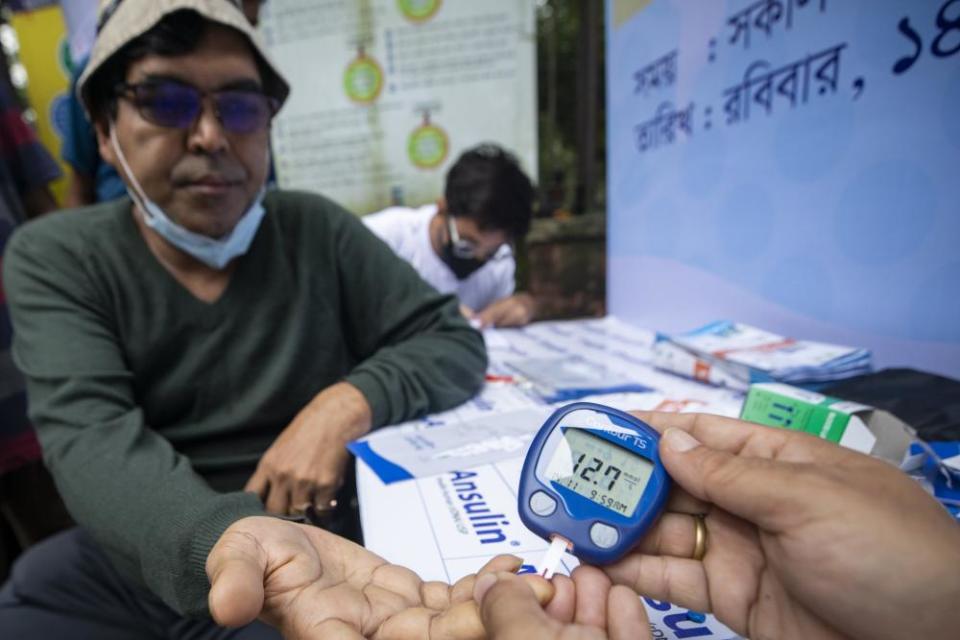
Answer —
(207, 134)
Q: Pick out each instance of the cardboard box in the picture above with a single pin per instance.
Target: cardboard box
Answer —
(856, 426)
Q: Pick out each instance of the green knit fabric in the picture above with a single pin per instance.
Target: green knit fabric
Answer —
(153, 407)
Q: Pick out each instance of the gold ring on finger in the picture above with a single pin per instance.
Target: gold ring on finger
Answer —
(700, 539)
(298, 510)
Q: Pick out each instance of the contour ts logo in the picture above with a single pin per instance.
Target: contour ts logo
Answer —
(638, 442)
(486, 525)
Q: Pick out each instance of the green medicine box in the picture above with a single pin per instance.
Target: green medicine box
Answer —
(855, 426)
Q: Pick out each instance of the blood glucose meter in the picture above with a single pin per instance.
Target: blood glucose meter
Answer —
(592, 483)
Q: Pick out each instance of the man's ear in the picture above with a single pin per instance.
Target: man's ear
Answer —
(102, 128)
(441, 205)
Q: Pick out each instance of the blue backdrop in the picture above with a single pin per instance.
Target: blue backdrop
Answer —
(793, 164)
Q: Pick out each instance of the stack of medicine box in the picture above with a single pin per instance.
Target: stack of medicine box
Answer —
(856, 426)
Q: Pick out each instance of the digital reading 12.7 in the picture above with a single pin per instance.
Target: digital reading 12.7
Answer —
(600, 471)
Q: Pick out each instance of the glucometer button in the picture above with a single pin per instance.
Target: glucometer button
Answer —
(603, 535)
(542, 504)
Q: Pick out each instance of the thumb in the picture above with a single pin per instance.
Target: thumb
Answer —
(235, 568)
(756, 489)
(509, 606)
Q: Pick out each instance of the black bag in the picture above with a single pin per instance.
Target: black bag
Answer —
(929, 403)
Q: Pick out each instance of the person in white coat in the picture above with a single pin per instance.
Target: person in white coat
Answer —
(462, 243)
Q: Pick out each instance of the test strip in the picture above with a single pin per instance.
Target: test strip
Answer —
(551, 559)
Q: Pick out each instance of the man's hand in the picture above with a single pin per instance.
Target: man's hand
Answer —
(510, 609)
(805, 539)
(467, 312)
(514, 311)
(310, 583)
(306, 462)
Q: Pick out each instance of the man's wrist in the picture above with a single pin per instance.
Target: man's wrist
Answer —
(347, 401)
(530, 303)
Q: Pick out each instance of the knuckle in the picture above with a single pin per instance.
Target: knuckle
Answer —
(716, 470)
(699, 422)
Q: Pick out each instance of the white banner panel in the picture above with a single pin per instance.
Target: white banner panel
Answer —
(387, 93)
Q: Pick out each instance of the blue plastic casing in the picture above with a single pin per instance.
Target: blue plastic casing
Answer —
(575, 514)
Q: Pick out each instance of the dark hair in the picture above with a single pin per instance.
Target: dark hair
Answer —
(178, 33)
(487, 185)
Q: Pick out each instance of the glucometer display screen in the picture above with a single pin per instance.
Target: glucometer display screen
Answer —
(600, 471)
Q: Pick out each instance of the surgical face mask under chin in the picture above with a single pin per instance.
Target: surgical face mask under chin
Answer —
(213, 252)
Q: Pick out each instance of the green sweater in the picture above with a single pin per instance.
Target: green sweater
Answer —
(154, 407)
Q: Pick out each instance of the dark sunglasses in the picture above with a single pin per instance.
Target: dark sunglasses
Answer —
(177, 105)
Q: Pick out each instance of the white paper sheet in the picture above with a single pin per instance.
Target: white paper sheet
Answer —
(424, 524)
(403, 453)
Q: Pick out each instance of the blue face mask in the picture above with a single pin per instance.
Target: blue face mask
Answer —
(213, 252)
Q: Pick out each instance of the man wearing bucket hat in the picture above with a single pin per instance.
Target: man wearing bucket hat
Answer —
(198, 355)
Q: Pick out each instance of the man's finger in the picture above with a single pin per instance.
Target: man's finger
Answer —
(463, 589)
(678, 580)
(435, 595)
(304, 495)
(509, 608)
(325, 486)
(717, 432)
(460, 622)
(563, 604)
(509, 312)
(235, 568)
(759, 490)
(593, 586)
(542, 590)
(674, 534)
(746, 438)
(331, 629)
(486, 318)
(680, 501)
(628, 619)
(258, 484)
(278, 499)
(503, 562)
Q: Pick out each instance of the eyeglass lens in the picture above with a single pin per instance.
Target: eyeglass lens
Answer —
(461, 248)
(171, 104)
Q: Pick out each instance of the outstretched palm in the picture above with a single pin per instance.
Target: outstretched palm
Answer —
(312, 584)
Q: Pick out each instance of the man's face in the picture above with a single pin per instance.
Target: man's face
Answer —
(204, 177)
(485, 243)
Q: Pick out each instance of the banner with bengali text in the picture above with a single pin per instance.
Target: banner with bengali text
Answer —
(790, 164)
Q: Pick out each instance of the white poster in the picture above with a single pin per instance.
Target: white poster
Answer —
(387, 93)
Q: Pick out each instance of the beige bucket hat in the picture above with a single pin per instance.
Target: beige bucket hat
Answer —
(120, 21)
